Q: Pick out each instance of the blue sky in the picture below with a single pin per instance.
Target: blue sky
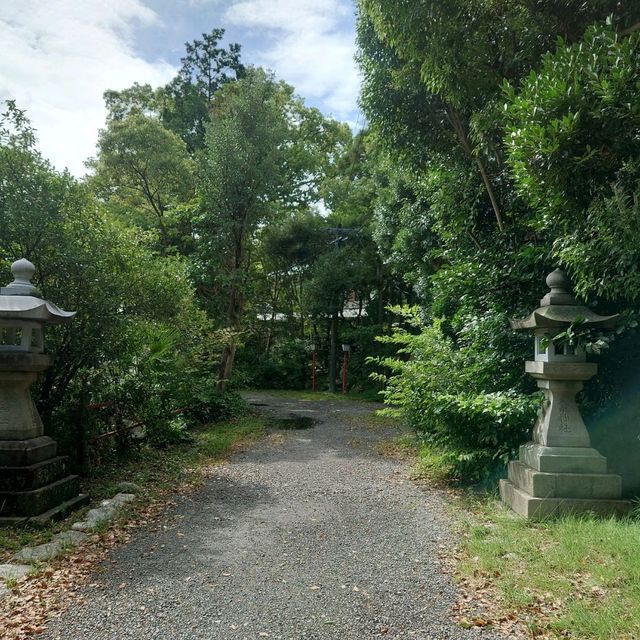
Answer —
(58, 56)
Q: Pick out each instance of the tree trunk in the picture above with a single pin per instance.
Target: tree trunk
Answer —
(226, 366)
(236, 306)
(236, 300)
(463, 139)
(333, 352)
(381, 291)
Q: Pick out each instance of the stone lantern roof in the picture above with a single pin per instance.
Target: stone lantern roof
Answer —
(559, 309)
(21, 301)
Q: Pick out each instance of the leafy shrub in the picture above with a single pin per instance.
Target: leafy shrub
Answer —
(446, 393)
(573, 125)
(168, 432)
(139, 343)
(573, 142)
(210, 405)
(286, 366)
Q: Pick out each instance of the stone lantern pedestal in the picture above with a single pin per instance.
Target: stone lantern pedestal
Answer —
(35, 485)
(558, 472)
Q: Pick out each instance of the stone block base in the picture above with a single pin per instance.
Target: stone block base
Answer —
(585, 486)
(562, 459)
(15, 453)
(556, 481)
(35, 485)
(43, 519)
(33, 476)
(37, 501)
(540, 508)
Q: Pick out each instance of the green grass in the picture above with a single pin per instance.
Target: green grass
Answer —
(432, 465)
(574, 577)
(369, 395)
(375, 421)
(10, 583)
(156, 471)
(429, 464)
(12, 540)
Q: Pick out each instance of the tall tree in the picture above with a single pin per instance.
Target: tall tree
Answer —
(452, 57)
(188, 97)
(183, 105)
(90, 262)
(264, 155)
(143, 170)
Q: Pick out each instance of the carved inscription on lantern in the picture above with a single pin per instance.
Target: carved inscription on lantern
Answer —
(565, 425)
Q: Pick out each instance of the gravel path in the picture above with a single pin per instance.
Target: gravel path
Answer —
(310, 534)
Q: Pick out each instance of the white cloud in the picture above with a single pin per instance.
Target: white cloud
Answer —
(311, 46)
(58, 57)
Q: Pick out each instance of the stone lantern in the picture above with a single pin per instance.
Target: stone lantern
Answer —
(34, 481)
(559, 472)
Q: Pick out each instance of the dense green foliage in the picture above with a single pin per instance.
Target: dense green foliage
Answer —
(508, 135)
(139, 344)
(173, 248)
(573, 146)
(226, 227)
(143, 170)
(445, 392)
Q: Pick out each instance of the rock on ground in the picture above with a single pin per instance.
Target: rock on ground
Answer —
(106, 512)
(49, 550)
(13, 571)
(40, 553)
(308, 535)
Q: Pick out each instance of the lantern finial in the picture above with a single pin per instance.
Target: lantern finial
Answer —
(22, 271)
(560, 287)
(558, 282)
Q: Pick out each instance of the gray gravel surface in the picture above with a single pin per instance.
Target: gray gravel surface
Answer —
(311, 535)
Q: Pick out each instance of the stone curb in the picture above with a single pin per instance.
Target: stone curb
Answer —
(79, 532)
(104, 513)
(13, 571)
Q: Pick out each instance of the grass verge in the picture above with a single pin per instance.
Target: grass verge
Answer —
(574, 577)
(156, 471)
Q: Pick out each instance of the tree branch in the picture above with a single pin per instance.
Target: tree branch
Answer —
(629, 30)
(461, 133)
